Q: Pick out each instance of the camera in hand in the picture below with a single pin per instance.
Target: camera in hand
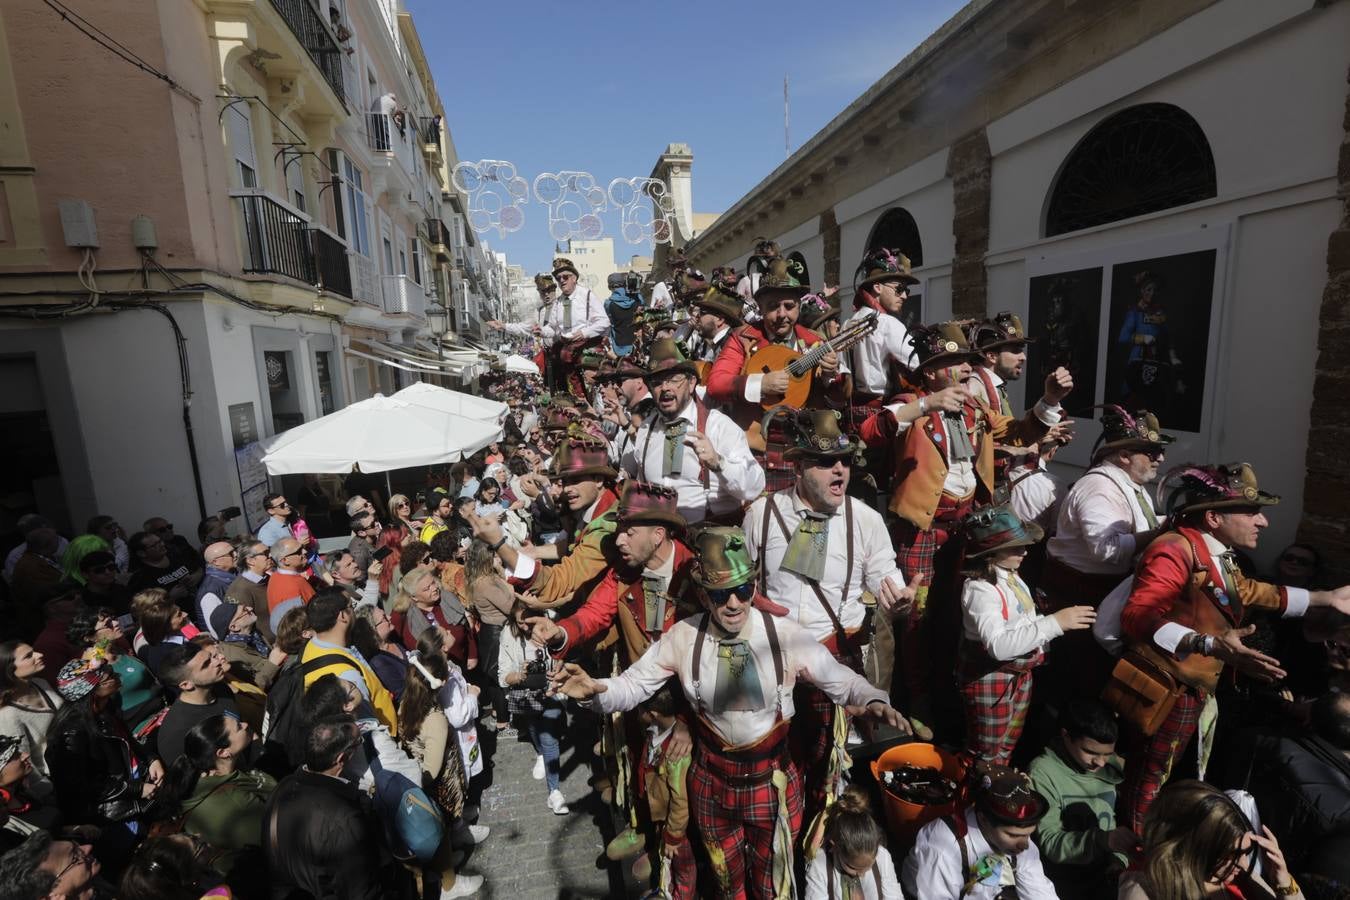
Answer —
(536, 673)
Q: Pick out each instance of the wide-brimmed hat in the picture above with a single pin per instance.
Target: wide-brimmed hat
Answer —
(1003, 330)
(559, 418)
(591, 360)
(996, 528)
(726, 276)
(815, 310)
(885, 265)
(815, 432)
(654, 319)
(563, 264)
(944, 342)
(722, 558)
(666, 357)
(717, 299)
(643, 503)
(545, 282)
(778, 281)
(1123, 431)
(1191, 488)
(581, 457)
(692, 282)
(1007, 795)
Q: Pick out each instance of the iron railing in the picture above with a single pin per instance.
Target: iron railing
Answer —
(379, 132)
(438, 233)
(312, 32)
(281, 241)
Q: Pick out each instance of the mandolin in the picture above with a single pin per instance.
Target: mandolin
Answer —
(801, 366)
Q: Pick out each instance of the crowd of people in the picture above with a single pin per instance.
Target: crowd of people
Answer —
(728, 551)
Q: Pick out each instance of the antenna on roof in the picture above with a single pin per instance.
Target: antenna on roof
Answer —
(787, 143)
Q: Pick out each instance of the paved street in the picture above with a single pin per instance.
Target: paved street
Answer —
(533, 854)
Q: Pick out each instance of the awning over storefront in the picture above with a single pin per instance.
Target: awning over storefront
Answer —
(464, 365)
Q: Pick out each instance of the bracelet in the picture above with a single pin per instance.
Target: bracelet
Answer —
(1207, 645)
(923, 406)
(1288, 890)
(497, 546)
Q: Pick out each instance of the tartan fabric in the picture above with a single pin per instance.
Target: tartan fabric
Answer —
(1149, 760)
(996, 711)
(811, 738)
(778, 472)
(735, 807)
(683, 873)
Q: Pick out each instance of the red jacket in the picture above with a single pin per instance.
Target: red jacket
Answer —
(726, 379)
(601, 608)
(1177, 580)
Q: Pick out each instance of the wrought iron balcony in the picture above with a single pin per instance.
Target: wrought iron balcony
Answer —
(438, 235)
(314, 35)
(279, 240)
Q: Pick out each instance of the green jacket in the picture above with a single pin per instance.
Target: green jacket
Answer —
(1082, 808)
(227, 812)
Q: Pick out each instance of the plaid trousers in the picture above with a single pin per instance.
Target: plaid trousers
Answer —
(1149, 760)
(735, 806)
(683, 873)
(996, 707)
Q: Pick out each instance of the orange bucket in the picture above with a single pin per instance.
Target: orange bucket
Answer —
(905, 818)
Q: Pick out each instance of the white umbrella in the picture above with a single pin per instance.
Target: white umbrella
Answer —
(514, 362)
(377, 435)
(454, 402)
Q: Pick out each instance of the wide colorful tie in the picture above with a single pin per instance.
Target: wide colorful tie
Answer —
(654, 597)
(960, 448)
(674, 451)
(1020, 592)
(808, 550)
(1144, 506)
(738, 686)
(567, 313)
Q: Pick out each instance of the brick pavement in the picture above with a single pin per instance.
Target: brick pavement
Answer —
(533, 854)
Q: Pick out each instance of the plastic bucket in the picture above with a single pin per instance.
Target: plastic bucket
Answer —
(905, 818)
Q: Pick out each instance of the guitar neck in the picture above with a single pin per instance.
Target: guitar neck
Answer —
(841, 341)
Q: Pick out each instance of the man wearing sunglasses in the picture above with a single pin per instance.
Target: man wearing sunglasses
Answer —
(737, 666)
(943, 442)
(817, 551)
(1105, 521)
(698, 452)
(221, 559)
(278, 508)
(289, 586)
(576, 322)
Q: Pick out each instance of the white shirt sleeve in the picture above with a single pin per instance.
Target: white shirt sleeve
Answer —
(1170, 636)
(878, 552)
(1296, 602)
(1106, 522)
(642, 679)
(817, 886)
(930, 872)
(754, 388)
(982, 610)
(1048, 414)
(1031, 881)
(741, 475)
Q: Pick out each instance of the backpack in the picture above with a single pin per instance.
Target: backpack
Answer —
(283, 742)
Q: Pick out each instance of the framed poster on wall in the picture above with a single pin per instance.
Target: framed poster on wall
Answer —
(1064, 318)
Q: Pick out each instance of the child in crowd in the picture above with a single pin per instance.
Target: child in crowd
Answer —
(662, 781)
(1003, 635)
(1082, 848)
(854, 862)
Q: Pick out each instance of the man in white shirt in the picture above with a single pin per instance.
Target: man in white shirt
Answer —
(1001, 356)
(577, 320)
(983, 851)
(737, 666)
(817, 551)
(547, 289)
(888, 351)
(699, 452)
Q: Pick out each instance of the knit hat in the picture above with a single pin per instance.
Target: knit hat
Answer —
(723, 560)
(885, 265)
(78, 678)
(1191, 488)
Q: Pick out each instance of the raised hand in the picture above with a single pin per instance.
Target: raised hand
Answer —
(572, 681)
(949, 399)
(1057, 385)
(1229, 648)
(894, 600)
(703, 449)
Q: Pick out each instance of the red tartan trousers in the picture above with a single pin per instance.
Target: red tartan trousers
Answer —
(996, 701)
(735, 807)
(683, 873)
(1149, 760)
(811, 736)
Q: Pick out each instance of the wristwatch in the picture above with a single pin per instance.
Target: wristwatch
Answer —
(497, 546)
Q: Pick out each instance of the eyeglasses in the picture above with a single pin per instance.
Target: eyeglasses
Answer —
(1153, 453)
(255, 554)
(296, 553)
(77, 858)
(228, 554)
(284, 504)
(722, 596)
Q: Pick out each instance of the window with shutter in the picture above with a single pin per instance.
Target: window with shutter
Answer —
(240, 124)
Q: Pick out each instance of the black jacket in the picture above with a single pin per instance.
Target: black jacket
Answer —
(1302, 786)
(98, 776)
(320, 840)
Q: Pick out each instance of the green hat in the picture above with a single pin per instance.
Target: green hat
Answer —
(998, 528)
(591, 360)
(778, 281)
(723, 560)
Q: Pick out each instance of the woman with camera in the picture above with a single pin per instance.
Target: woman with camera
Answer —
(523, 667)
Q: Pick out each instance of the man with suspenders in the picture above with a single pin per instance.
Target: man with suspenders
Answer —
(697, 451)
(817, 550)
(737, 666)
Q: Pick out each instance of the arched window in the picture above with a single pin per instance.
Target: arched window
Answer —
(897, 230)
(1140, 160)
(804, 274)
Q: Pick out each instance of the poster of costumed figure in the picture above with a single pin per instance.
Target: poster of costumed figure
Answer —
(1065, 317)
(1158, 335)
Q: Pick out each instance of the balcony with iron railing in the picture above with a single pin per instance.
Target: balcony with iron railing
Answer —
(403, 296)
(280, 240)
(317, 38)
(438, 235)
(391, 137)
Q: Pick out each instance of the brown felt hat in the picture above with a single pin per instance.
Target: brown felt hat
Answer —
(720, 301)
(581, 457)
(666, 356)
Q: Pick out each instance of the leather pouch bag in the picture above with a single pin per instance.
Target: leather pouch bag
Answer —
(1141, 692)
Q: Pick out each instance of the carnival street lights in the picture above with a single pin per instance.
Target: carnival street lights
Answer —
(438, 322)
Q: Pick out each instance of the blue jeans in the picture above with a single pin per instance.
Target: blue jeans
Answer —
(546, 734)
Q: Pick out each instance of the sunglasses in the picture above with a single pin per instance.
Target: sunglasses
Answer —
(722, 596)
(827, 462)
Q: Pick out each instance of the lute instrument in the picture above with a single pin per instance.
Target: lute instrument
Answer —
(801, 366)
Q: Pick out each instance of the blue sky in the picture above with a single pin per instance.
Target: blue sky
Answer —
(603, 87)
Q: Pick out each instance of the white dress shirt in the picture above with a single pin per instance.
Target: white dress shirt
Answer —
(874, 354)
(661, 298)
(804, 659)
(873, 562)
(933, 868)
(1098, 520)
(1004, 637)
(1036, 494)
(740, 480)
(818, 887)
(589, 319)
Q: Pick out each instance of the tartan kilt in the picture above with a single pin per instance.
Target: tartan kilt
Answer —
(996, 708)
(1149, 760)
